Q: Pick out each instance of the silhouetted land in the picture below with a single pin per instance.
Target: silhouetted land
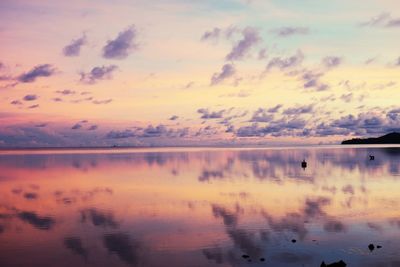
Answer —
(391, 138)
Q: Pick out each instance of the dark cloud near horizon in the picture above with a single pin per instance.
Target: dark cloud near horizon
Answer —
(98, 73)
(76, 126)
(122, 45)
(73, 49)
(93, 128)
(44, 70)
(160, 131)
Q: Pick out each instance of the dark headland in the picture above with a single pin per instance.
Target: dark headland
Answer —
(390, 138)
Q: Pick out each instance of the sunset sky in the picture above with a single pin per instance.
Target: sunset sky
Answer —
(175, 72)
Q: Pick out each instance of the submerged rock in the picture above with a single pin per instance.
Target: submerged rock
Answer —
(335, 264)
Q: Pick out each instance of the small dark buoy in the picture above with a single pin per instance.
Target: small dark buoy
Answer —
(262, 259)
(371, 157)
(244, 256)
(293, 240)
(304, 164)
(371, 247)
(378, 246)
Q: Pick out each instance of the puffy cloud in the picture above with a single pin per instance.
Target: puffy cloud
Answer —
(102, 102)
(98, 73)
(33, 106)
(122, 45)
(382, 20)
(214, 34)
(286, 63)
(30, 97)
(312, 80)
(76, 126)
(241, 49)
(347, 97)
(206, 114)
(275, 109)
(228, 70)
(262, 54)
(16, 102)
(121, 134)
(45, 70)
(261, 115)
(159, 131)
(332, 61)
(217, 33)
(289, 31)
(65, 92)
(299, 110)
(74, 48)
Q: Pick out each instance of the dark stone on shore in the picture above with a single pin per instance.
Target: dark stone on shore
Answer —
(294, 240)
(335, 264)
(371, 247)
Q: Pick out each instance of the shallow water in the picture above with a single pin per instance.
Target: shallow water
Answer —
(200, 207)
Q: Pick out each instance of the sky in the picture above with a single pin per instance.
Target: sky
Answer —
(194, 73)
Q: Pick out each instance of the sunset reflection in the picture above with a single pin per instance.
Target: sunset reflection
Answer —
(200, 207)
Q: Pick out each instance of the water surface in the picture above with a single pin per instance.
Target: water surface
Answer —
(200, 207)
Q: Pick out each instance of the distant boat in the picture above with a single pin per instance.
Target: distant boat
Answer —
(304, 164)
(371, 157)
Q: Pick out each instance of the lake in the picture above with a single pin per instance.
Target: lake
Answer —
(200, 207)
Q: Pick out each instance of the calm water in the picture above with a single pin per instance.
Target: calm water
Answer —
(200, 208)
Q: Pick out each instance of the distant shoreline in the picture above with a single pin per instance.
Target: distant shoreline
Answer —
(387, 139)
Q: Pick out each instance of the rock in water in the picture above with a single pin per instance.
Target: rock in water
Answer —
(371, 247)
(335, 264)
